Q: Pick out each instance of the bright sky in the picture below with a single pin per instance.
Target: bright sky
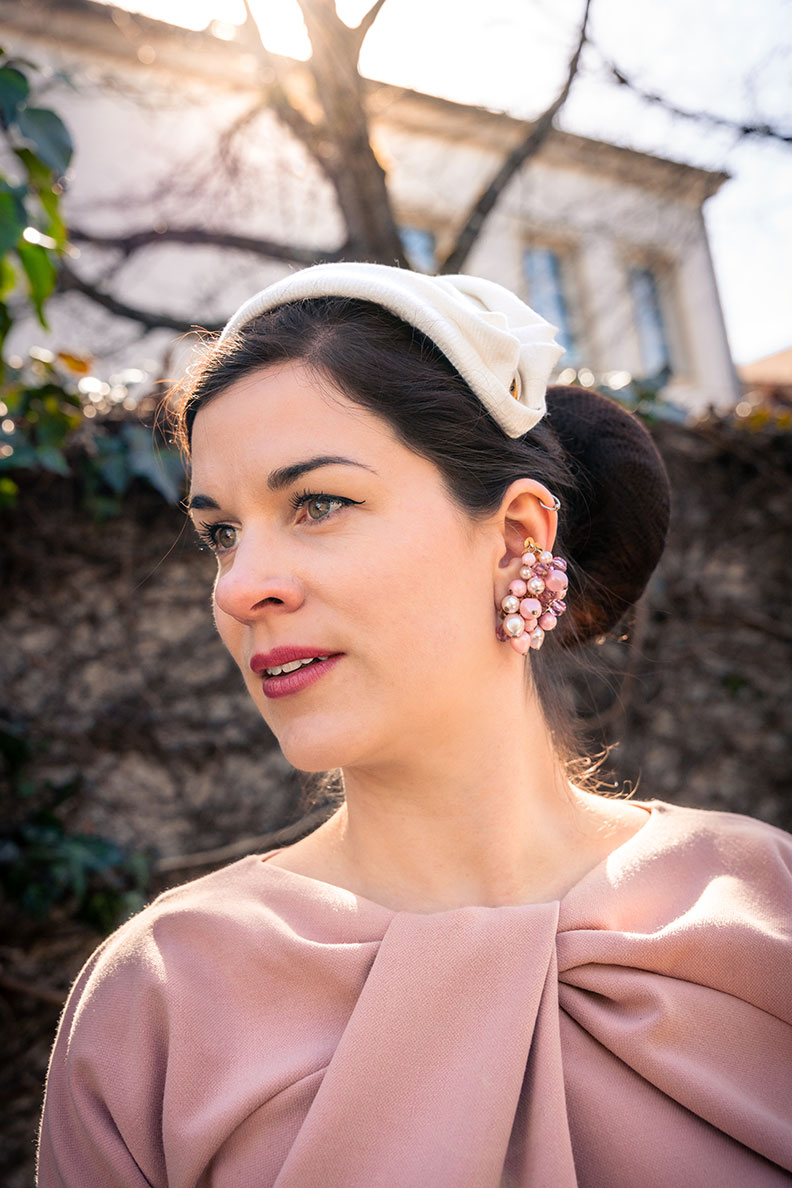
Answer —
(723, 56)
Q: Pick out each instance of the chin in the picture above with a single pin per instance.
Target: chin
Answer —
(313, 746)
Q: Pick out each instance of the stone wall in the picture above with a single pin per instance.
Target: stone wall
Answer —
(697, 697)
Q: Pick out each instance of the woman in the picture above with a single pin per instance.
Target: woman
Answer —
(477, 972)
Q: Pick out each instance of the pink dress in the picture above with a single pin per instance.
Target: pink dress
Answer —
(259, 1028)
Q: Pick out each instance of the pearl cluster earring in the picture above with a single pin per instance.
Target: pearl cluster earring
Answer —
(535, 599)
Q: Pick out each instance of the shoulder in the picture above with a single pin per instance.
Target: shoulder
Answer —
(720, 873)
(689, 868)
(212, 915)
(701, 896)
(725, 842)
(207, 939)
(173, 961)
(187, 943)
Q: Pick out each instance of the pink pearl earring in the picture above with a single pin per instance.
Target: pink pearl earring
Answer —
(535, 600)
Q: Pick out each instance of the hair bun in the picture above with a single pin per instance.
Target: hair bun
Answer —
(616, 522)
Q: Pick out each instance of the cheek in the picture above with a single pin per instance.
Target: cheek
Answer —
(421, 602)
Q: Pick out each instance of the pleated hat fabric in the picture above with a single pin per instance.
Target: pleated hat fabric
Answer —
(499, 345)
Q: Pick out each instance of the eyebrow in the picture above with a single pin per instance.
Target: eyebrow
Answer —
(284, 476)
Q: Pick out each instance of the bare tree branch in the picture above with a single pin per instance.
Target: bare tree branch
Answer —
(529, 147)
(765, 131)
(312, 136)
(359, 179)
(366, 23)
(245, 845)
(32, 989)
(269, 248)
(70, 282)
(225, 142)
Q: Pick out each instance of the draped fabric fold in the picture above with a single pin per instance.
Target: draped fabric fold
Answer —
(260, 1028)
(487, 969)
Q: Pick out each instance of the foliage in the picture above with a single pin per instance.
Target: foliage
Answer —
(56, 416)
(644, 396)
(63, 422)
(43, 864)
(761, 416)
(53, 412)
(32, 231)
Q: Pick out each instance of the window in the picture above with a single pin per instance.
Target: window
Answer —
(544, 271)
(649, 321)
(419, 247)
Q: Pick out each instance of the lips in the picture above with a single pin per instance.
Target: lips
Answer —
(285, 684)
(284, 655)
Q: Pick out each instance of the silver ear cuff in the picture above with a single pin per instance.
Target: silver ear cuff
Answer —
(556, 504)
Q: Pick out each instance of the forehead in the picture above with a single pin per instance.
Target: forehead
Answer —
(282, 415)
(283, 406)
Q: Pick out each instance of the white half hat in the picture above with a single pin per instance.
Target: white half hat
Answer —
(499, 345)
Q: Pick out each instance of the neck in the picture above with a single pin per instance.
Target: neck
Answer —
(485, 817)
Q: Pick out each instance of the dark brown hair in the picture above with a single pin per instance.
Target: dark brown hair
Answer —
(392, 369)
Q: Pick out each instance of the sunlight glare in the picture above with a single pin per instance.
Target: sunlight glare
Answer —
(280, 21)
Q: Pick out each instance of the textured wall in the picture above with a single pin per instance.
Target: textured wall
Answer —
(702, 713)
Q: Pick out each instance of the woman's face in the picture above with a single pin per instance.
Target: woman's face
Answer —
(364, 559)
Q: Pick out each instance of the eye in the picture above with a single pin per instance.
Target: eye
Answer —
(219, 538)
(324, 505)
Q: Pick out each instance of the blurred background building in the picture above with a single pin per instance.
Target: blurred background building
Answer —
(607, 243)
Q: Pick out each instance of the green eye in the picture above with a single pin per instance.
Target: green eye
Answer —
(224, 537)
(324, 503)
(218, 538)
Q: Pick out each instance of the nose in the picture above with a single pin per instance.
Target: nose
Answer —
(254, 583)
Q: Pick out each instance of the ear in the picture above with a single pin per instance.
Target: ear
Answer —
(521, 515)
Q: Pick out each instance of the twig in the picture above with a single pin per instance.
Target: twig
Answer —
(70, 282)
(529, 147)
(765, 131)
(270, 248)
(748, 618)
(31, 990)
(227, 138)
(312, 136)
(367, 21)
(246, 845)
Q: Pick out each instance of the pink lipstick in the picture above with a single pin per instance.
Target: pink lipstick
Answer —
(281, 684)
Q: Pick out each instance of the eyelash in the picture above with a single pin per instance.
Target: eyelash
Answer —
(207, 533)
(298, 501)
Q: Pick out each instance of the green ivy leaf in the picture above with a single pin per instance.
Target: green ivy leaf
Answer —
(49, 136)
(111, 462)
(24, 457)
(41, 275)
(14, 90)
(8, 278)
(161, 468)
(39, 175)
(14, 399)
(51, 458)
(55, 225)
(6, 323)
(11, 226)
(102, 507)
(8, 491)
